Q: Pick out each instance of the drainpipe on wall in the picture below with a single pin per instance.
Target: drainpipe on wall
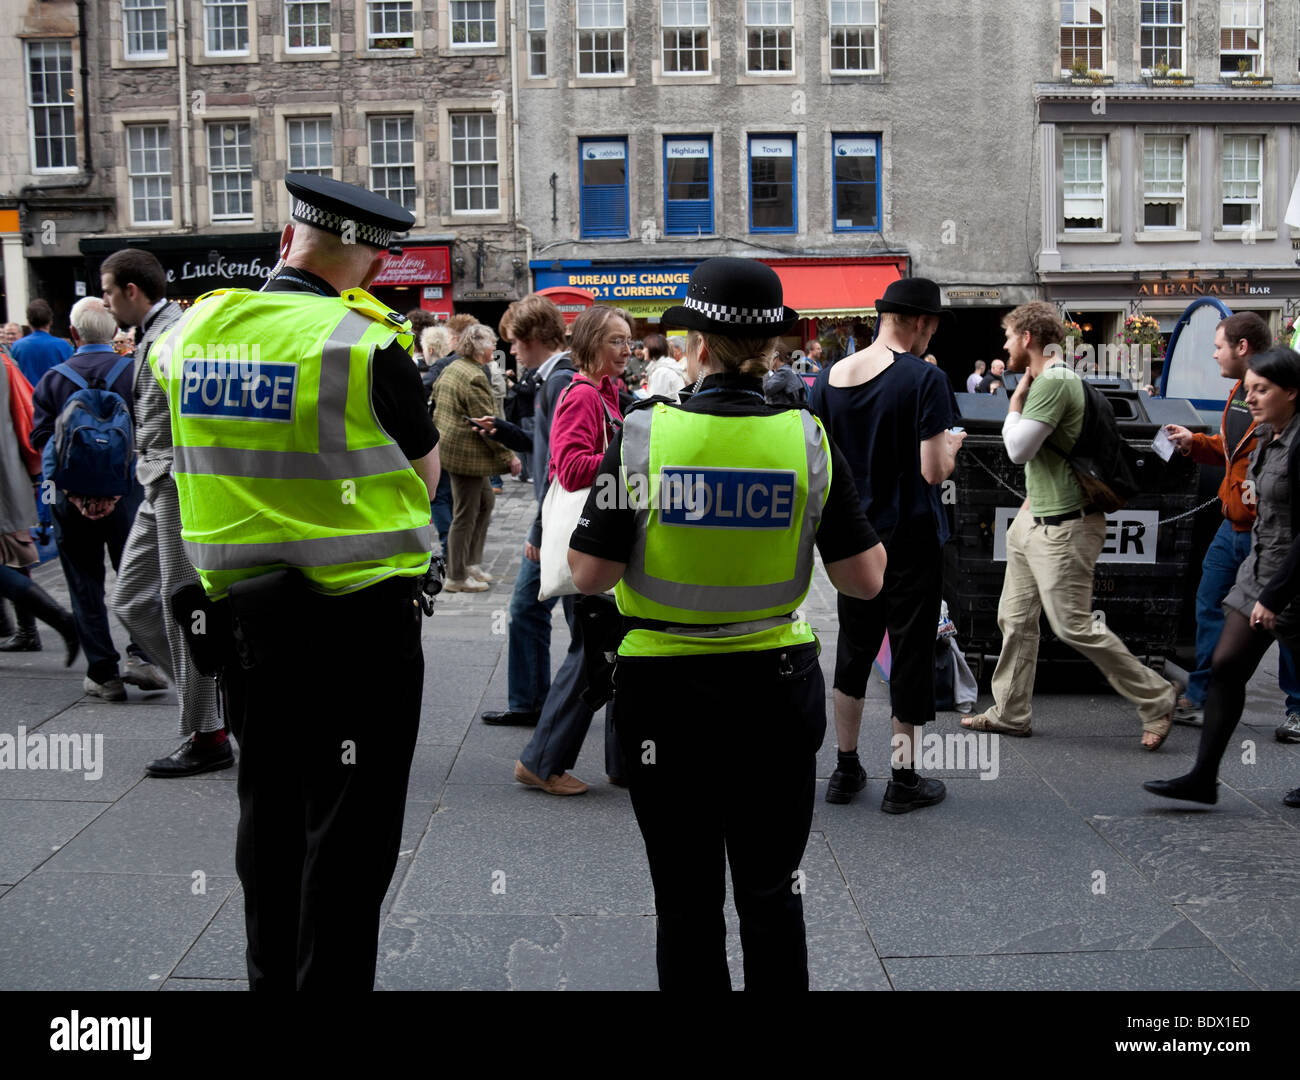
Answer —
(514, 138)
(182, 46)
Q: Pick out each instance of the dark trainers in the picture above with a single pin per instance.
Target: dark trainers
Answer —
(900, 798)
(1187, 714)
(845, 784)
(1289, 729)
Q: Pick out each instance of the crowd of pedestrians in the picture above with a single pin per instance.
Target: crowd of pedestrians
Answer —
(874, 435)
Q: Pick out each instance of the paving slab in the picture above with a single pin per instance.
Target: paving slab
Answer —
(1261, 937)
(1156, 969)
(35, 830)
(161, 827)
(517, 952)
(219, 950)
(543, 854)
(205, 984)
(139, 927)
(1192, 858)
(30, 700)
(1004, 870)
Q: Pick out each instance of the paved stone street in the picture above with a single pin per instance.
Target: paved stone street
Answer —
(1060, 874)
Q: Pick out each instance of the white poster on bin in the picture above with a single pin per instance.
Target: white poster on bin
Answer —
(1130, 535)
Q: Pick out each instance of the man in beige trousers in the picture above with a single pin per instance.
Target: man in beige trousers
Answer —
(1054, 543)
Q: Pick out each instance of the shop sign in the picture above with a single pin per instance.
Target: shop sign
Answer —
(432, 292)
(1209, 287)
(217, 271)
(611, 284)
(416, 266)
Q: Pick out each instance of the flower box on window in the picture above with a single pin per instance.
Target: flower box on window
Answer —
(1090, 78)
(1169, 79)
(1248, 82)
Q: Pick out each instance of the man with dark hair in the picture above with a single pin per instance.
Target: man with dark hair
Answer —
(40, 350)
(1054, 542)
(665, 375)
(154, 563)
(1237, 338)
(995, 373)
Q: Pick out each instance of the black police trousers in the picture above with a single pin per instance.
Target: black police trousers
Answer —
(326, 734)
(721, 757)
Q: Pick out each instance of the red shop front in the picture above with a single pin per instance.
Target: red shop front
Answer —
(418, 277)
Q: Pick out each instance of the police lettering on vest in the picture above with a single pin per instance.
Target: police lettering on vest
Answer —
(727, 498)
(230, 388)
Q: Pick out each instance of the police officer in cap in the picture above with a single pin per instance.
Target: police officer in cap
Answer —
(704, 518)
(304, 461)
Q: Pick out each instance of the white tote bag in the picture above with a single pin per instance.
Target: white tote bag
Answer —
(560, 512)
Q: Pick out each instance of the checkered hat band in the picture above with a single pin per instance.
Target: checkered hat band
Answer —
(374, 235)
(738, 315)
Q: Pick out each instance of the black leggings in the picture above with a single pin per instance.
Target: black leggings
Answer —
(1238, 653)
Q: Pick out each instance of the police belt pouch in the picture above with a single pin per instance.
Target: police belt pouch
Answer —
(269, 614)
(207, 628)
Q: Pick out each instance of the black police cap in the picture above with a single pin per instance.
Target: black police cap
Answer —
(346, 210)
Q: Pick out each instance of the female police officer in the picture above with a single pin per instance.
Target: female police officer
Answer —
(705, 515)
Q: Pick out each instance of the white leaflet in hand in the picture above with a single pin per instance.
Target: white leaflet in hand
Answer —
(1163, 445)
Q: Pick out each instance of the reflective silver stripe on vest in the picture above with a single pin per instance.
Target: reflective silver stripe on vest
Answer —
(325, 551)
(728, 630)
(335, 366)
(636, 461)
(285, 464)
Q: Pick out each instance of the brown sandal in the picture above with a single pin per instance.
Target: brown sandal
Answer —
(1162, 727)
(982, 722)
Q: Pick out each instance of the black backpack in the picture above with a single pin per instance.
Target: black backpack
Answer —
(1104, 464)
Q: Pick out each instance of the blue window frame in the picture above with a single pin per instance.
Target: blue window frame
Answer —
(602, 180)
(773, 184)
(856, 184)
(688, 185)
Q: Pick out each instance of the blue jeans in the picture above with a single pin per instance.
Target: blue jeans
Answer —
(440, 509)
(565, 717)
(529, 650)
(1226, 553)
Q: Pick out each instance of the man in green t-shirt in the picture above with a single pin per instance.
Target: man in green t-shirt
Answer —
(1054, 542)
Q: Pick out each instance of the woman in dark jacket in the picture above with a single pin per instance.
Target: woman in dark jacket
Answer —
(1262, 605)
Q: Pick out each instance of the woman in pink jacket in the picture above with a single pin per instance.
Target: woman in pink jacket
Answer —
(585, 420)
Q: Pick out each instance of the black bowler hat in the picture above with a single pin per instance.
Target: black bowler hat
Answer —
(736, 298)
(330, 205)
(913, 296)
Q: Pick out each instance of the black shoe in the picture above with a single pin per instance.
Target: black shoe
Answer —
(510, 718)
(1184, 787)
(845, 784)
(1292, 798)
(189, 759)
(900, 798)
(33, 602)
(23, 641)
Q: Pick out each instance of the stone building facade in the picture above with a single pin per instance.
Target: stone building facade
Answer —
(199, 107)
(847, 144)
